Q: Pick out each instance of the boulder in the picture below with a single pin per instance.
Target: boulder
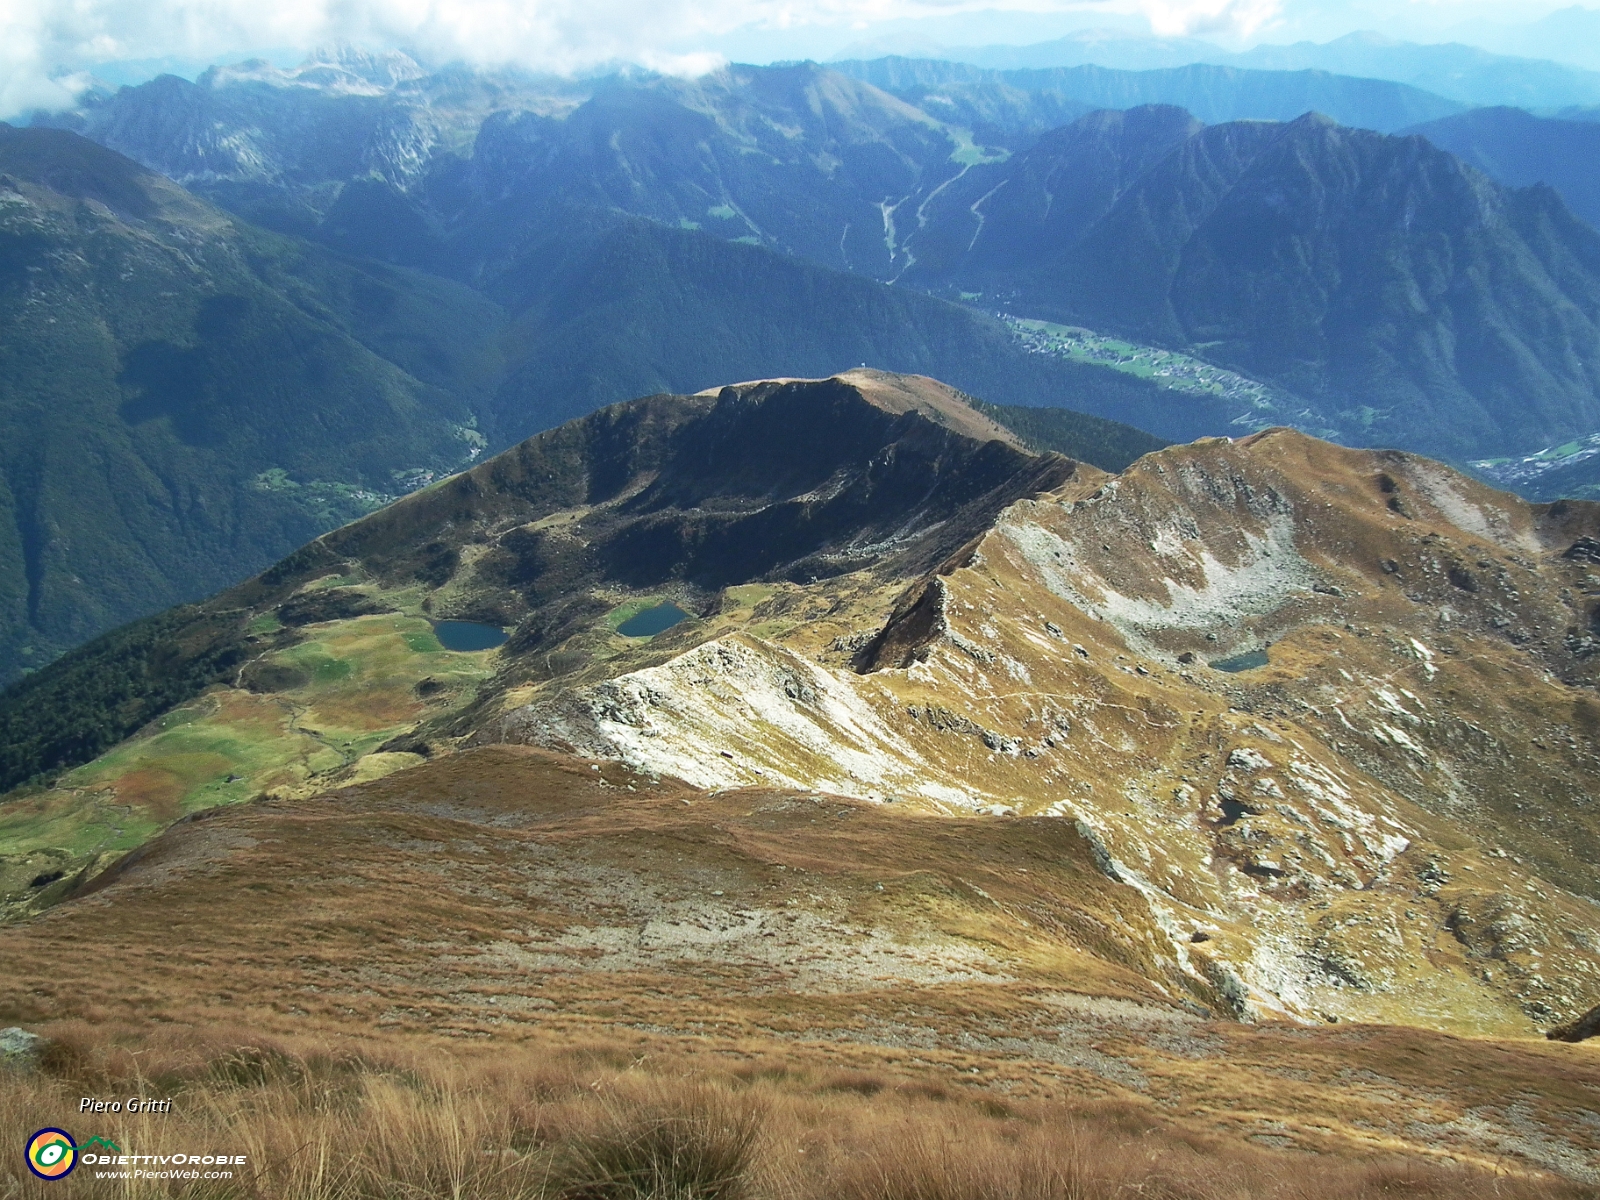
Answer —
(19, 1048)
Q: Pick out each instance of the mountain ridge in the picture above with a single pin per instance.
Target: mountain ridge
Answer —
(131, 309)
(590, 463)
(1322, 715)
(1214, 94)
(1521, 150)
(1463, 73)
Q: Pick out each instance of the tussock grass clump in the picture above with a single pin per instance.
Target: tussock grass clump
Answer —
(696, 1143)
(859, 1083)
(1076, 1157)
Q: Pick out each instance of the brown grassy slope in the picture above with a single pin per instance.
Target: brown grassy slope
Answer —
(593, 1121)
(939, 402)
(1403, 582)
(504, 899)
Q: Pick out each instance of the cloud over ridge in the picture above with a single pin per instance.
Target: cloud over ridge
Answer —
(47, 46)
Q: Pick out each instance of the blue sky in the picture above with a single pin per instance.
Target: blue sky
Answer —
(1236, 24)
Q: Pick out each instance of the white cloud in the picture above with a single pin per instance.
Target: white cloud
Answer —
(43, 40)
(40, 40)
(1199, 18)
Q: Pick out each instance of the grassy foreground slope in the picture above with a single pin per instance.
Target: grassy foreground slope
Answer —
(950, 776)
(507, 974)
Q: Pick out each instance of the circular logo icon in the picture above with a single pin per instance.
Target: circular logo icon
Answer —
(52, 1154)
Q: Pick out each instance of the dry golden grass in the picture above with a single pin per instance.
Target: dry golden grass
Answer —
(580, 1123)
(449, 975)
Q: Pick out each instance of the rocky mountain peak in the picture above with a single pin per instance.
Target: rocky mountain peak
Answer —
(898, 394)
(381, 68)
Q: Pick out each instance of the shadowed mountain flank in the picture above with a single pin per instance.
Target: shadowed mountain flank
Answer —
(698, 310)
(1284, 250)
(796, 479)
(181, 400)
(1521, 150)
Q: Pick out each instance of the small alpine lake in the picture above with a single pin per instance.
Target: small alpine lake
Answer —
(652, 621)
(1247, 661)
(469, 635)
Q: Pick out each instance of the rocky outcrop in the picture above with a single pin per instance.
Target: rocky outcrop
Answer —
(1082, 660)
(1585, 1027)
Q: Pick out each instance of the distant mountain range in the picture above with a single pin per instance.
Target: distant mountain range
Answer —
(185, 397)
(1568, 35)
(1520, 149)
(1457, 72)
(1343, 266)
(486, 255)
(1010, 107)
(280, 146)
(1408, 298)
